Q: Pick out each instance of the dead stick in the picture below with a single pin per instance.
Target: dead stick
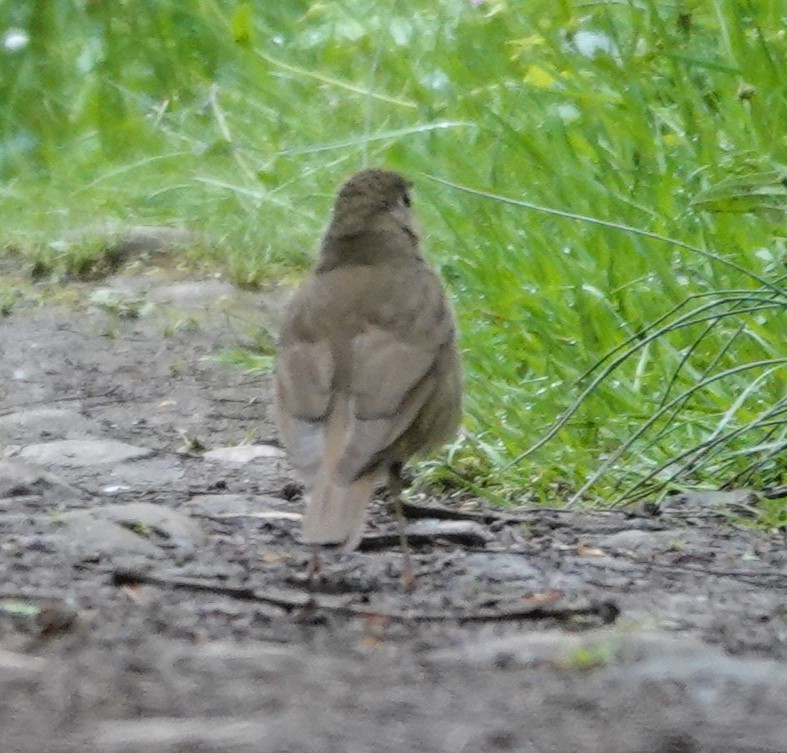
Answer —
(125, 577)
(440, 512)
(607, 611)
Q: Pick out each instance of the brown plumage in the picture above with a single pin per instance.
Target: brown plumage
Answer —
(368, 372)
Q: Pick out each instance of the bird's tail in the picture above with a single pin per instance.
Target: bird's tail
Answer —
(335, 513)
(336, 507)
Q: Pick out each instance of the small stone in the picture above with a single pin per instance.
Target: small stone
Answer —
(740, 501)
(135, 528)
(147, 473)
(199, 294)
(90, 536)
(648, 643)
(261, 661)
(77, 453)
(500, 567)
(243, 453)
(14, 665)
(635, 648)
(172, 735)
(170, 524)
(705, 666)
(511, 651)
(449, 528)
(428, 531)
(18, 479)
(642, 542)
(49, 423)
(230, 504)
(114, 491)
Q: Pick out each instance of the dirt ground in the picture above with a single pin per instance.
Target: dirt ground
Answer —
(152, 594)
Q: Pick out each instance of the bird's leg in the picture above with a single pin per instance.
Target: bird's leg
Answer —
(395, 490)
(315, 565)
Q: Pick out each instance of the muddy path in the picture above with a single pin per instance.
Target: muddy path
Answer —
(151, 594)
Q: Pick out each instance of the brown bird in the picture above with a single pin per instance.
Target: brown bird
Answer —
(368, 372)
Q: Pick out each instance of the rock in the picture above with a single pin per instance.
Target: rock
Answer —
(705, 666)
(174, 735)
(135, 528)
(510, 651)
(91, 536)
(20, 666)
(171, 525)
(231, 504)
(740, 501)
(468, 531)
(115, 490)
(636, 645)
(499, 567)
(643, 542)
(463, 532)
(198, 294)
(243, 453)
(602, 646)
(24, 727)
(49, 423)
(75, 453)
(268, 662)
(151, 473)
(18, 479)
(269, 515)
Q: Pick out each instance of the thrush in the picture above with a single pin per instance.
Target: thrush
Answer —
(368, 372)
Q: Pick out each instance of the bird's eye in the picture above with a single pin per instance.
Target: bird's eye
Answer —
(406, 199)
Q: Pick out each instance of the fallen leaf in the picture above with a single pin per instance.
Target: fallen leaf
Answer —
(549, 597)
(583, 550)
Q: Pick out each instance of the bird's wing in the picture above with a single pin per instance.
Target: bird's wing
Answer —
(304, 377)
(391, 381)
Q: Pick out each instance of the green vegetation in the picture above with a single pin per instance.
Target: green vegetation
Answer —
(639, 324)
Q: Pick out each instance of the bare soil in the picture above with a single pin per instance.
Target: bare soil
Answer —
(152, 594)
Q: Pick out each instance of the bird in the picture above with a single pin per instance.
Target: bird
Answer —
(368, 372)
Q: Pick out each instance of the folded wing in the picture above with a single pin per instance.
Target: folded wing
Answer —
(391, 382)
(304, 377)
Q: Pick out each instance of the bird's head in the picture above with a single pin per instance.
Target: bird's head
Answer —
(371, 204)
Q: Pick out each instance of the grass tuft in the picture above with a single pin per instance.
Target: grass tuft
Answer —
(602, 186)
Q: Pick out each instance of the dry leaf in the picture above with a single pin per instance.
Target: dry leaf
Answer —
(583, 550)
(539, 599)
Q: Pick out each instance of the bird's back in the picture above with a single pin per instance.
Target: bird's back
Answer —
(368, 371)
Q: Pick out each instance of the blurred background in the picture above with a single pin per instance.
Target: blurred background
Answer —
(617, 264)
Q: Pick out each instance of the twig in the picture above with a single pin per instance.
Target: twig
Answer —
(415, 511)
(130, 577)
(267, 515)
(462, 532)
(606, 611)
(439, 512)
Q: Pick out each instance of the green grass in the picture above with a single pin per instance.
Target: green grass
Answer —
(618, 262)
